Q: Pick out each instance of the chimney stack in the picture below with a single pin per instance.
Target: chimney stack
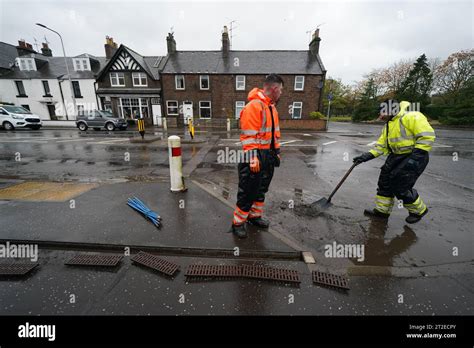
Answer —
(24, 48)
(110, 47)
(171, 43)
(46, 50)
(225, 41)
(314, 44)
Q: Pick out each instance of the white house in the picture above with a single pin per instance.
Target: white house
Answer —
(39, 81)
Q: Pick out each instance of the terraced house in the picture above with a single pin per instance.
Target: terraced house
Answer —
(39, 82)
(213, 85)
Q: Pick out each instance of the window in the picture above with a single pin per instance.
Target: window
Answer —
(77, 89)
(297, 109)
(172, 107)
(204, 81)
(139, 79)
(20, 88)
(240, 82)
(179, 81)
(27, 107)
(81, 64)
(117, 80)
(239, 105)
(26, 64)
(205, 109)
(80, 110)
(47, 91)
(299, 83)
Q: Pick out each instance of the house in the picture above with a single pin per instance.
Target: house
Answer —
(208, 85)
(129, 85)
(39, 81)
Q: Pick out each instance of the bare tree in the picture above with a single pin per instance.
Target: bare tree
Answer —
(451, 75)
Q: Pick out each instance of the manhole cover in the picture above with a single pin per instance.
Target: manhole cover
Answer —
(156, 263)
(269, 273)
(16, 268)
(211, 271)
(95, 260)
(330, 280)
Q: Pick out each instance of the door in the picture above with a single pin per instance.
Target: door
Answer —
(187, 111)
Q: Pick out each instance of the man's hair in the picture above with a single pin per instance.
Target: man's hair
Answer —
(273, 78)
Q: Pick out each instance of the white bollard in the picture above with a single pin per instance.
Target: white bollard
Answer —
(176, 164)
(228, 124)
(165, 124)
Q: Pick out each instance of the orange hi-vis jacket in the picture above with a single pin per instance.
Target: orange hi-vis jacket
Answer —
(256, 122)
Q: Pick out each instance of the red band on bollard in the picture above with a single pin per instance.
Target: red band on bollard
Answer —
(175, 151)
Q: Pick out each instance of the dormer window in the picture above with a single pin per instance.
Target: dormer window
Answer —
(81, 64)
(26, 64)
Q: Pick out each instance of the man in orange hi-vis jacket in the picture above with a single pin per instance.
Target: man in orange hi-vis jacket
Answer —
(260, 134)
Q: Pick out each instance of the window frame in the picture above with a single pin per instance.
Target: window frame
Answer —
(210, 109)
(237, 116)
(118, 78)
(26, 64)
(47, 91)
(167, 108)
(141, 75)
(78, 64)
(237, 83)
(76, 83)
(293, 110)
(176, 83)
(208, 82)
(20, 95)
(302, 83)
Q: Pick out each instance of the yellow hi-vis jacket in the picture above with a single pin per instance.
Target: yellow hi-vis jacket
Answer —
(407, 130)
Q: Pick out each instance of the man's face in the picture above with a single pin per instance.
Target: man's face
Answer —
(274, 91)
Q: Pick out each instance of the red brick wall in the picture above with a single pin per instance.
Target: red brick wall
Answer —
(223, 95)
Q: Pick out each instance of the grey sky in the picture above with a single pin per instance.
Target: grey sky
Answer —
(357, 36)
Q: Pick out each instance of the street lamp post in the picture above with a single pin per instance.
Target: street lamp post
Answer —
(67, 69)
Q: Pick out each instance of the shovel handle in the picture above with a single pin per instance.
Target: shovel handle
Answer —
(342, 181)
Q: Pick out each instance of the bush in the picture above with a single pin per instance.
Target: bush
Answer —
(316, 115)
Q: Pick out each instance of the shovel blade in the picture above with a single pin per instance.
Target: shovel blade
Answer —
(321, 204)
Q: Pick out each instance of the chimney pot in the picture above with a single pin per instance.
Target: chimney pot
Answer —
(314, 44)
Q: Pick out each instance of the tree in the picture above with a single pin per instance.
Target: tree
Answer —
(454, 72)
(417, 86)
(340, 105)
(367, 103)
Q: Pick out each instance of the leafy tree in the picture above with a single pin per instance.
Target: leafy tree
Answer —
(367, 104)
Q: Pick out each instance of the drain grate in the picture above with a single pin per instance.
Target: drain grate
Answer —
(269, 273)
(16, 268)
(330, 280)
(156, 263)
(244, 271)
(95, 260)
(213, 271)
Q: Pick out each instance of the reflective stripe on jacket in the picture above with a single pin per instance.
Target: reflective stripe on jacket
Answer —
(408, 130)
(256, 122)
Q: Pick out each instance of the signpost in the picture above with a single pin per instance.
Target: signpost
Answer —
(329, 109)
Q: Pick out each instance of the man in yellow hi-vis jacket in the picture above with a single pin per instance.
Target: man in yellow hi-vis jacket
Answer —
(406, 138)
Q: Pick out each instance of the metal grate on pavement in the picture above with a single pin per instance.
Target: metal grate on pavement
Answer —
(16, 268)
(329, 279)
(213, 271)
(156, 263)
(95, 260)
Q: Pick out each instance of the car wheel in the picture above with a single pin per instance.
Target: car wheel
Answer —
(8, 126)
(82, 126)
(110, 126)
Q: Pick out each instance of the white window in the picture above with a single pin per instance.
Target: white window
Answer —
(204, 81)
(117, 80)
(296, 109)
(205, 109)
(80, 110)
(239, 105)
(240, 82)
(299, 83)
(26, 64)
(139, 79)
(172, 107)
(81, 64)
(179, 81)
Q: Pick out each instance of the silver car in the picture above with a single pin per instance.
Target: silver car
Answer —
(99, 119)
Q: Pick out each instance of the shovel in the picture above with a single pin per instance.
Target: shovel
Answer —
(324, 203)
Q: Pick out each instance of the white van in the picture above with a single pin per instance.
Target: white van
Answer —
(12, 116)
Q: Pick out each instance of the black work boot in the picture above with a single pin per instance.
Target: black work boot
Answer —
(376, 213)
(413, 218)
(239, 230)
(259, 222)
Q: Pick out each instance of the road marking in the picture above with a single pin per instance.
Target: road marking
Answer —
(372, 143)
(71, 140)
(288, 142)
(307, 135)
(441, 145)
(25, 141)
(105, 142)
(229, 139)
(330, 142)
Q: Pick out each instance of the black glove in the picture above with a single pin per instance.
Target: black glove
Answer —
(366, 156)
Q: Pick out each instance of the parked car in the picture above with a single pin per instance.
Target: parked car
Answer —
(12, 116)
(98, 119)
